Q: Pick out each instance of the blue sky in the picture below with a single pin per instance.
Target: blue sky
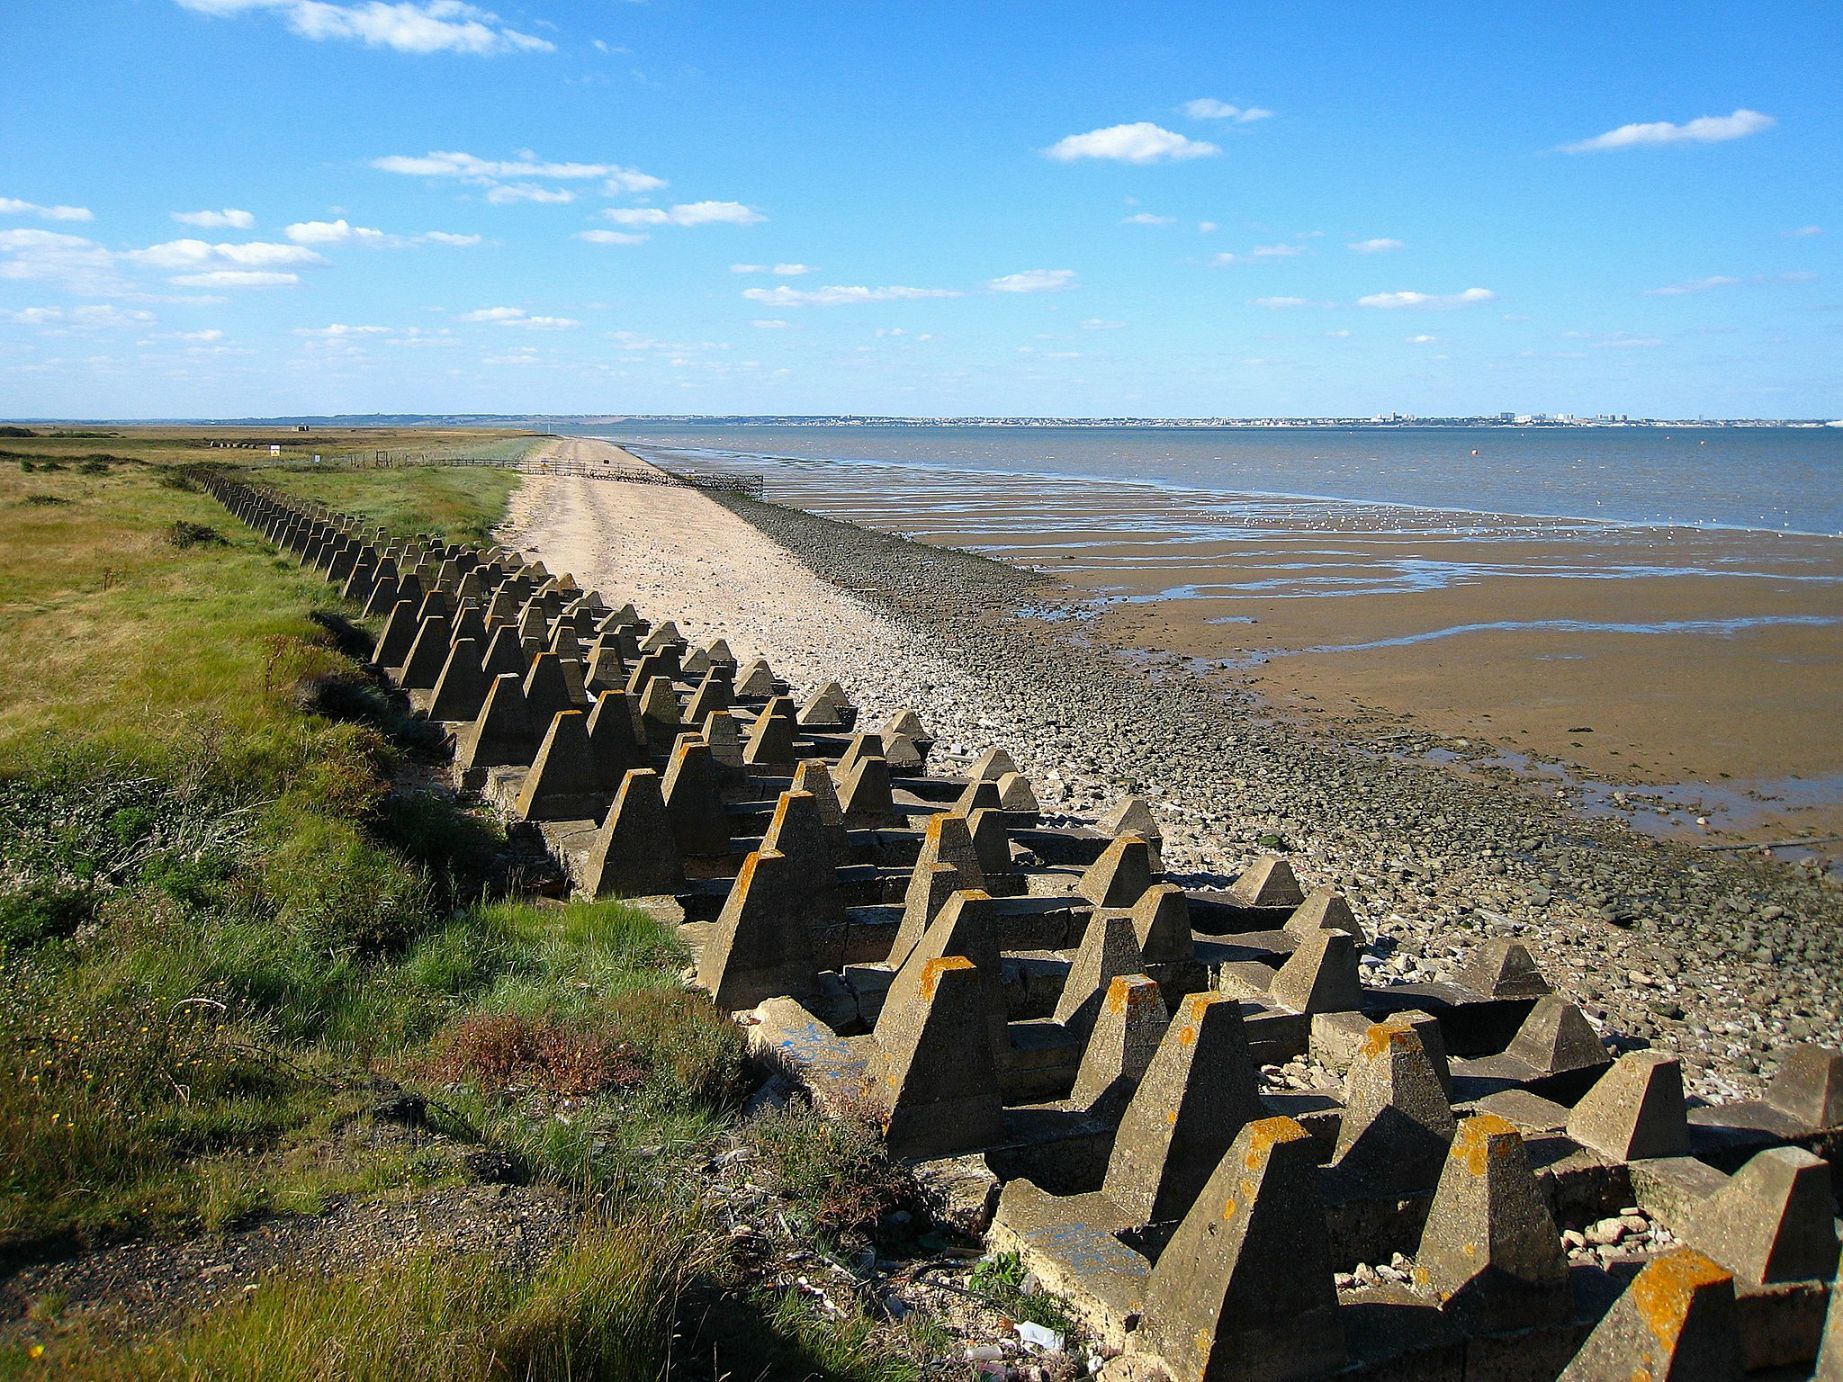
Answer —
(229, 207)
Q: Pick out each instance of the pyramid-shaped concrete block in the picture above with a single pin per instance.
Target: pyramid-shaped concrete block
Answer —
(460, 690)
(978, 795)
(992, 843)
(932, 1078)
(1120, 876)
(565, 783)
(394, 640)
(797, 831)
(1503, 968)
(1773, 1220)
(634, 854)
(1635, 1111)
(1556, 1038)
(1244, 1289)
(1809, 1087)
(659, 713)
(930, 885)
(967, 924)
(991, 765)
(867, 797)
(770, 742)
(811, 775)
(1325, 909)
(762, 946)
(1016, 795)
(713, 694)
(757, 680)
(505, 655)
(428, 654)
(1199, 1090)
(694, 801)
(1127, 1029)
(1131, 816)
(1161, 925)
(1320, 976)
(1490, 1251)
(502, 733)
(1108, 950)
(1267, 882)
(1397, 1123)
(1676, 1322)
(617, 745)
(827, 708)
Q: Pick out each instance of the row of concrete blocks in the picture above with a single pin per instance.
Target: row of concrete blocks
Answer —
(930, 1068)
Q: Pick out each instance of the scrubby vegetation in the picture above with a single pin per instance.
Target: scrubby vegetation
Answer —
(255, 963)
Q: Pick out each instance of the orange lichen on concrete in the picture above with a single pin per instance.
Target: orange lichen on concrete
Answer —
(1481, 1137)
(1264, 1134)
(932, 971)
(1382, 1035)
(1663, 1291)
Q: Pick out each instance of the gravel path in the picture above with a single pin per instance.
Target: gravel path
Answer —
(1725, 960)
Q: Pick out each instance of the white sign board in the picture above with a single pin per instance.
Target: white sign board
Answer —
(274, 450)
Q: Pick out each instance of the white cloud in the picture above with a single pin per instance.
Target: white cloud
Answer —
(1708, 129)
(180, 254)
(1281, 303)
(99, 315)
(610, 237)
(340, 329)
(1704, 285)
(1146, 218)
(836, 295)
(204, 337)
(450, 238)
(1803, 232)
(1208, 108)
(1259, 252)
(1140, 142)
(1101, 324)
(792, 270)
(49, 255)
(12, 206)
(227, 219)
(1033, 281)
(331, 233)
(235, 278)
(1380, 245)
(1427, 300)
(508, 193)
(1422, 339)
(770, 324)
(686, 214)
(407, 26)
(518, 316)
(1207, 227)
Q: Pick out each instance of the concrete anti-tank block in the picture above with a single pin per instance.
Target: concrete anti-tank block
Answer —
(1773, 1220)
(932, 1077)
(1635, 1110)
(1676, 1322)
(634, 854)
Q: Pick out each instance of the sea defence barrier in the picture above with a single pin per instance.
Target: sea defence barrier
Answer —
(1082, 1060)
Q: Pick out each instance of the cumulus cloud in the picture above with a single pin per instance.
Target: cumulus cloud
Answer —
(99, 315)
(686, 214)
(835, 295)
(1422, 339)
(1427, 300)
(342, 232)
(341, 329)
(1146, 218)
(518, 316)
(406, 26)
(1139, 142)
(227, 219)
(453, 164)
(1708, 129)
(30, 254)
(450, 238)
(180, 254)
(1208, 108)
(1380, 245)
(610, 237)
(1033, 281)
(235, 278)
(12, 206)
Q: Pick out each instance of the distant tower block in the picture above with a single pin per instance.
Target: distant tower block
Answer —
(1244, 1290)
(762, 947)
(932, 1077)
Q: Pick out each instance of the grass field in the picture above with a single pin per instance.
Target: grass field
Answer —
(236, 918)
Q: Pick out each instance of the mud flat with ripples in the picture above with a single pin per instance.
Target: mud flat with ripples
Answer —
(1697, 673)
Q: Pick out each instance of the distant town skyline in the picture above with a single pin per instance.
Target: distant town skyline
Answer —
(216, 208)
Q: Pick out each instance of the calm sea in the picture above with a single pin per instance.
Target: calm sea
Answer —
(1780, 479)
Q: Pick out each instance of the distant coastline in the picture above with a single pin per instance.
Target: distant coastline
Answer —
(1544, 421)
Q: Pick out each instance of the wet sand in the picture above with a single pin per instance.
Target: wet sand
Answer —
(1697, 671)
